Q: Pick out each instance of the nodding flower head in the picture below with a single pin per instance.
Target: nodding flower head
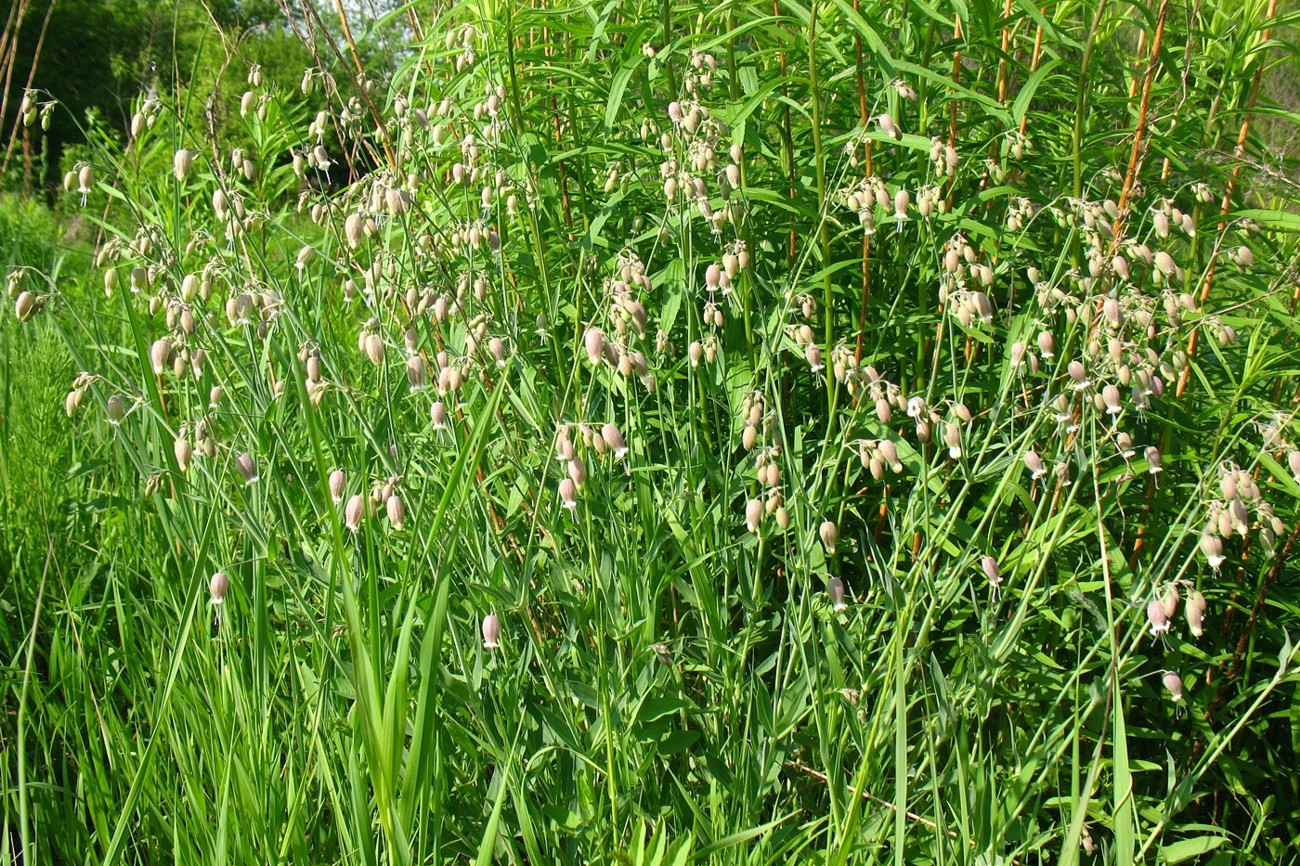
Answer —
(1156, 617)
(354, 512)
(438, 414)
(888, 127)
(1194, 610)
(1170, 600)
(337, 482)
(989, 565)
(218, 586)
(396, 511)
(1034, 464)
(491, 632)
(1153, 459)
(830, 534)
(116, 409)
(753, 514)
(594, 342)
(813, 355)
(614, 440)
(181, 163)
(835, 589)
(1174, 683)
(247, 468)
(568, 493)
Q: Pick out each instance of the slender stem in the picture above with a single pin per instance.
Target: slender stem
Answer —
(1139, 134)
(1242, 136)
(820, 160)
(1081, 101)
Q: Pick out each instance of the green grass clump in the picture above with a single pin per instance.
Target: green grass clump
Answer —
(839, 407)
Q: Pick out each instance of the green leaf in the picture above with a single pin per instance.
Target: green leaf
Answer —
(1186, 849)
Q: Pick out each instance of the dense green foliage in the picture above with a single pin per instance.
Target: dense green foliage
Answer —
(871, 426)
(97, 57)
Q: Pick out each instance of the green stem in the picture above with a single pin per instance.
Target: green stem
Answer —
(1081, 100)
(824, 228)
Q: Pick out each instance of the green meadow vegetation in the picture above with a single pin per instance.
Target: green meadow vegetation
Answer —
(837, 431)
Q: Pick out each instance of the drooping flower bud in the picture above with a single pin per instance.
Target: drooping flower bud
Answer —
(116, 407)
(1212, 548)
(613, 439)
(902, 199)
(25, 306)
(835, 589)
(438, 414)
(183, 451)
(375, 349)
(338, 480)
(491, 632)
(1240, 516)
(1156, 617)
(753, 514)
(1194, 610)
(247, 468)
(594, 342)
(578, 471)
(888, 127)
(497, 349)
(416, 373)
(1035, 465)
(1153, 459)
(568, 493)
(1174, 683)
(1170, 600)
(218, 586)
(181, 163)
(396, 511)
(952, 438)
(830, 534)
(989, 566)
(160, 355)
(354, 512)
(1111, 398)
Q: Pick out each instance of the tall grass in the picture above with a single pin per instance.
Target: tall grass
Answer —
(979, 311)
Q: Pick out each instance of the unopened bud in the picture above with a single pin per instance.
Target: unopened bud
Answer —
(181, 163)
(354, 512)
(1156, 617)
(396, 511)
(218, 586)
(1174, 683)
(491, 632)
(830, 535)
(989, 565)
(247, 468)
(835, 589)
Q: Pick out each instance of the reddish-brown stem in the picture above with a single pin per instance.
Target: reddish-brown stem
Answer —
(1137, 73)
(1139, 134)
(956, 80)
(1006, 50)
(9, 61)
